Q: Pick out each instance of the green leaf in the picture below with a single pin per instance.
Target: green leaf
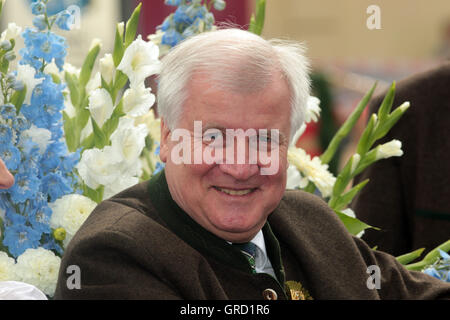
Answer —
(386, 105)
(132, 26)
(88, 142)
(390, 121)
(257, 20)
(430, 258)
(70, 132)
(95, 195)
(119, 48)
(353, 225)
(409, 257)
(345, 129)
(72, 84)
(365, 141)
(347, 197)
(88, 65)
(120, 81)
(100, 139)
(18, 98)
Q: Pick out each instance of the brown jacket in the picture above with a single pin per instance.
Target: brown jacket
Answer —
(141, 245)
(408, 197)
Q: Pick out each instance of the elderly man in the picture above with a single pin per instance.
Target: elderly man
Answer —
(217, 222)
(6, 178)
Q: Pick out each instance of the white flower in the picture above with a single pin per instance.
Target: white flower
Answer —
(52, 68)
(392, 148)
(12, 32)
(153, 124)
(156, 38)
(26, 73)
(313, 170)
(107, 67)
(40, 136)
(94, 83)
(140, 61)
(355, 161)
(7, 267)
(99, 167)
(39, 267)
(100, 106)
(138, 100)
(294, 178)
(312, 109)
(71, 69)
(129, 140)
(119, 185)
(70, 212)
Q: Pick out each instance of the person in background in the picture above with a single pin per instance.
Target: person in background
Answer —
(408, 197)
(6, 178)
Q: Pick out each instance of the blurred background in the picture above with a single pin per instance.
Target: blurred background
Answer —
(347, 48)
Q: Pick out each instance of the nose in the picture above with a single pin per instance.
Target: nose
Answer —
(240, 171)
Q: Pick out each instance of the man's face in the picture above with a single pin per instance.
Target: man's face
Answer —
(6, 179)
(230, 199)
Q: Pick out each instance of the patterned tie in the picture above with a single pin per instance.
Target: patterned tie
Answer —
(248, 249)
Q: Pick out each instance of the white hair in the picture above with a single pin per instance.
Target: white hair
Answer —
(235, 60)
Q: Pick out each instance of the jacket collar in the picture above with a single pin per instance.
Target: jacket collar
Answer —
(201, 239)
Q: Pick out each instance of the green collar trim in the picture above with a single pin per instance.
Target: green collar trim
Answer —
(201, 239)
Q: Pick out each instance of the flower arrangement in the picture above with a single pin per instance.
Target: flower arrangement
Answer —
(73, 138)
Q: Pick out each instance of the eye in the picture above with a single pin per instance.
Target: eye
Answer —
(213, 137)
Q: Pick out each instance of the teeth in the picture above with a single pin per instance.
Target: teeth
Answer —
(236, 192)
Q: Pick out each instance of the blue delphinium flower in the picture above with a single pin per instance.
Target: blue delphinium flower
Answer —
(65, 20)
(43, 169)
(190, 18)
(20, 237)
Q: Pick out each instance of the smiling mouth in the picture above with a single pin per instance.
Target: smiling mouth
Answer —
(235, 192)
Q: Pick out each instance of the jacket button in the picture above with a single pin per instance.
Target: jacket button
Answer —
(270, 294)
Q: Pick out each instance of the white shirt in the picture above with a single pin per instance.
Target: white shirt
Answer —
(262, 261)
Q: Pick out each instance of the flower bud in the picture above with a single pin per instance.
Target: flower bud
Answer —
(10, 56)
(5, 45)
(59, 234)
(107, 67)
(389, 149)
(39, 22)
(121, 28)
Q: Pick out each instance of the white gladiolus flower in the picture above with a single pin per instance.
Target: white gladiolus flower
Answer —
(121, 28)
(140, 61)
(70, 212)
(129, 140)
(356, 158)
(107, 68)
(40, 136)
(7, 267)
(390, 149)
(26, 73)
(312, 109)
(39, 267)
(313, 170)
(101, 106)
(119, 185)
(99, 167)
(12, 32)
(294, 178)
(94, 83)
(137, 101)
(153, 124)
(71, 69)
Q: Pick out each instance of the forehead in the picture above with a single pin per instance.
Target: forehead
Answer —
(212, 102)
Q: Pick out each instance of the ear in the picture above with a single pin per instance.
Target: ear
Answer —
(164, 143)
